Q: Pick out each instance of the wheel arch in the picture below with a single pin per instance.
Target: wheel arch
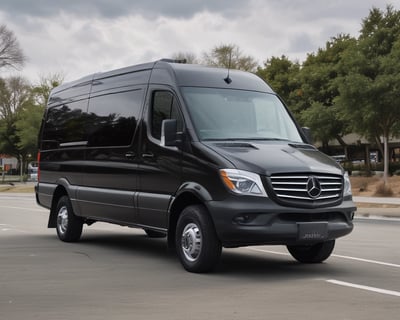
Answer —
(58, 193)
(190, 193)
(61, 190)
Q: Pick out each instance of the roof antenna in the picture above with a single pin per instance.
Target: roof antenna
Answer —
(228, 80)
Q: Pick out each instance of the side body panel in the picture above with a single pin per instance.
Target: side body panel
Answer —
(110, 170)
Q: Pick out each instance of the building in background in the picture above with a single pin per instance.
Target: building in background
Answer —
(8, 164)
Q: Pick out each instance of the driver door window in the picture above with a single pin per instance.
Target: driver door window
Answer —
(164, 106)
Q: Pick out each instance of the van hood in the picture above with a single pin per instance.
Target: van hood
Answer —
(270, 157)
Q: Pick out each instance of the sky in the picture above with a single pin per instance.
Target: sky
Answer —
(75, 38)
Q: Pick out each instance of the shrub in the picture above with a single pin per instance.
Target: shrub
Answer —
(383, 190)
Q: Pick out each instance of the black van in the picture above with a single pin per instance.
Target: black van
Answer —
(208, 157)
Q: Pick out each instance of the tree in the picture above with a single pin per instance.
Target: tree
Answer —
(324, 122)
(41, 91)
(11, 54)
(370, 93)
(310, 90)
(21, 112)
(27, 129)
(283, 76)
(320, 78)
(30, 114)
(14, 94)
(188, 56)
(229, 56)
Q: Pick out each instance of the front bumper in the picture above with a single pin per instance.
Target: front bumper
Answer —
(242, 221)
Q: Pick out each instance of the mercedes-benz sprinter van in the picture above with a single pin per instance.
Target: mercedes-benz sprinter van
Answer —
(208, 157)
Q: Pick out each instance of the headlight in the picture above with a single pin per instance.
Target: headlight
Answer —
(243, 182)
(347, 185)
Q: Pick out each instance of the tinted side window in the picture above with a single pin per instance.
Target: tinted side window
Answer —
(113, 117)
(164, 106)
(64, 124)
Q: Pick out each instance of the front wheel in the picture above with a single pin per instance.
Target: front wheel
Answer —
(197, 244)
(69, 226)
(316, 253)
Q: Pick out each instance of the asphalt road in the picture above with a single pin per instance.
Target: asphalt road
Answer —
(119, 273)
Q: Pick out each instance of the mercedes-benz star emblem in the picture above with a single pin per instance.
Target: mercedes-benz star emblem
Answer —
(313, 187)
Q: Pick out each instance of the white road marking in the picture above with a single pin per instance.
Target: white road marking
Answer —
(367, 288)
(24, 208)
(368, 261)
(387, 264)
(13, 230)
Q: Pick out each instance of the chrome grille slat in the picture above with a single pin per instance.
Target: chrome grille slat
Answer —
(289, 189)
(307, 198)
(292, 188)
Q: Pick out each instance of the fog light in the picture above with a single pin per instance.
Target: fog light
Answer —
(244, 218)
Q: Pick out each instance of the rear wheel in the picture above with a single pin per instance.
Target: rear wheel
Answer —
(314, 253)
(69, 226)
(197, 244)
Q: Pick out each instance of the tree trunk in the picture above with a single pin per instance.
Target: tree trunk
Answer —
(379, 145)
(341, 141)
(385, 160)
(21, 168)
(367, 159)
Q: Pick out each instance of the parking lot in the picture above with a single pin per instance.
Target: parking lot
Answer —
(119, 273)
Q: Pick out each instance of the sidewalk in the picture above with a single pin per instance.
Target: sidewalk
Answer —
(17, 187)
(377, 208)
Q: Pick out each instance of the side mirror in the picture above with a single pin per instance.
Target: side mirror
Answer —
(168, 133)
(308, 135)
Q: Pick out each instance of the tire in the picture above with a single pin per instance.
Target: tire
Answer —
(154, 234)
(316, 253)
(68, 225)
(197, 244)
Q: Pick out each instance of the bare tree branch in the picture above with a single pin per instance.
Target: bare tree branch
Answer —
(11, 54)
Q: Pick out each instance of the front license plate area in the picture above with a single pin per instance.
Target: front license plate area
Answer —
(312, 231)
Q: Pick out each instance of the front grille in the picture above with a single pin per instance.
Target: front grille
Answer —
(307, 189)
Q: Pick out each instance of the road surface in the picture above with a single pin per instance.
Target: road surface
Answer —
(119, 273)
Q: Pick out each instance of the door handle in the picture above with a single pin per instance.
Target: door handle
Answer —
(130, 155)
(148, 155)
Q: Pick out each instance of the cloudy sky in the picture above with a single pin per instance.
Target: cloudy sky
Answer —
(79, 37)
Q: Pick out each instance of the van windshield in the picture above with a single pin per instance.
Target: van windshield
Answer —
(227, 114)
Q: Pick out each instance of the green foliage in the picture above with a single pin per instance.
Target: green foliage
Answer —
(283, 76)
(21, 111)
(321, 70)
(15, 94)
(310, 90)
(8, 138)
(324, 122)
(369, 93)
(27, 127)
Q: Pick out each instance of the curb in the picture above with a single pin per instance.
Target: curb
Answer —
(378, 212)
